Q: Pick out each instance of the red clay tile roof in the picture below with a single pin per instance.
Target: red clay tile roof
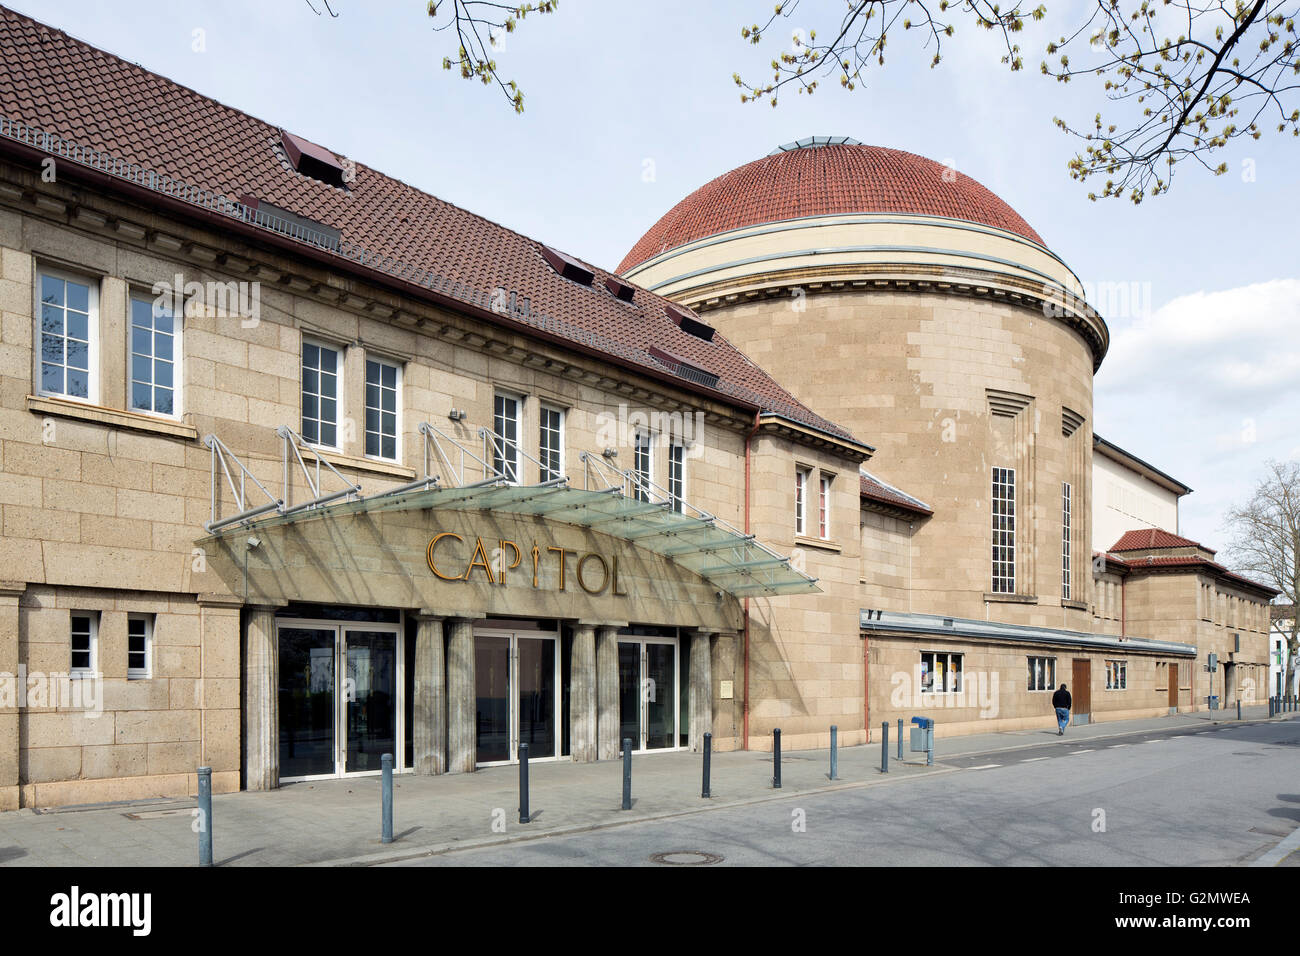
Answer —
(826, 180)
(1145, 539)
(873, 489)
(63, 86)
(1195, 562)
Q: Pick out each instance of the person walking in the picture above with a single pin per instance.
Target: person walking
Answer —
(1061, 701)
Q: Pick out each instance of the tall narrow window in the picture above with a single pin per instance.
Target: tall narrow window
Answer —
(644, 465)
(382, 385)
(505, 439)
(1065, 540)
(677, 476)
(139, 646)
(320, 395)
(155, 353)
(551, 443)
(69, 308)
(84, 636)
(824, 507)
(801, 476)
(1004, 530)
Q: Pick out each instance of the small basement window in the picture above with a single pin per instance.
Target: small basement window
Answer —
(312, 160)
(568, 266)
(689, 323)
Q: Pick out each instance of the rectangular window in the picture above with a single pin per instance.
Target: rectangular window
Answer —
(155, 357)
(551, 443)
(320, 394)
(1004, 530)
(85, 638)
(139, 646)
(383, 383)
(677, 476)
(801, 476)
(643, 465)
(69, 315)
(824, 508)
(1065, 540)
(1116, 675)
(1042, 673)
(940, 673)
(505, 439)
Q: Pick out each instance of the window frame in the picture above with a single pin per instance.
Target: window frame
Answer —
(1117, 674)
(677, 476)
(927, 686)
(498, 456)
(643, 440)
(146, 672)
(1003, 554)
(1067, 540)
(93, 315)
(547, 473)
(824, 482)
(178, 354)
(1039, 675)
(398, 369)
(92, 649)
(802, 474)
(340, 390)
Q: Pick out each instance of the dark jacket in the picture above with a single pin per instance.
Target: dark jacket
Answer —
(1061, 699)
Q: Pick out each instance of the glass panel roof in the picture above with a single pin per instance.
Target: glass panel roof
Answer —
(731, 560)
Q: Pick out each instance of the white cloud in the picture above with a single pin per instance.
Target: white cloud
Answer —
(1207, 388)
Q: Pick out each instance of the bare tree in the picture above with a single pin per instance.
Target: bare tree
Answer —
(1265, 543)
(480, 28)
(1183, 77)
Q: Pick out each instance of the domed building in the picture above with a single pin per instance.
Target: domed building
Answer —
(908, 302)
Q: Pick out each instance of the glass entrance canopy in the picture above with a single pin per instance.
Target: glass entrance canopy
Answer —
(731, 560)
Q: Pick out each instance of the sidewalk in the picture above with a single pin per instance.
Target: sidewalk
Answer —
(336, 822)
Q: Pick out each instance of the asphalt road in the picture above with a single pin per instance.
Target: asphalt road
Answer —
(1218, 796)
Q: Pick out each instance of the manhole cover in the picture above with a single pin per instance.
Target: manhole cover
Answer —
(686, 858)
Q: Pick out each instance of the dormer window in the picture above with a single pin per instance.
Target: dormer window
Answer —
(568, 266)
(689, 323)
(312, 160)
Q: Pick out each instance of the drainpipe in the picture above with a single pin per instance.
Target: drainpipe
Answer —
(745, 629)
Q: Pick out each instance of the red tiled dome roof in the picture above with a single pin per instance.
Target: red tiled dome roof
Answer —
(826, 180)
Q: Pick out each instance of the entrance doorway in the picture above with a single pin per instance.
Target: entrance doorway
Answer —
(1081, 690)
(516, 696)
(649, 675)
(338, 698)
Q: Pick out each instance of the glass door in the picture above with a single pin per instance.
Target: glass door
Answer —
(517, 680)
(370, 685)
(338, 698)
(306, 698)
(648, 676)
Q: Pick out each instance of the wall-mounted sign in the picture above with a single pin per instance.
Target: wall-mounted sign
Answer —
(594, 573)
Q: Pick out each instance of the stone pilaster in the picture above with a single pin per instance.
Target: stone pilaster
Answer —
(583, 695)
(11, 593)
(461, 711)
(700, 704)
(261, 688)
(607, 720)
(429, 735)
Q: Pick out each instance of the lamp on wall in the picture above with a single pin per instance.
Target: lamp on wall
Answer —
(610, 453)
(457, 415)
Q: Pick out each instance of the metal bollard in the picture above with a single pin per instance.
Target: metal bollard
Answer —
(523, 784)
(884, 747)
(929, 751)
(627, 773)
(386, 800)
(834, 754)
(776, 759)
(708, 754)
(1239, 709)
(900, 738)
(205, 816)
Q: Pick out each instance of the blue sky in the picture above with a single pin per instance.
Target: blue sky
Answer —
(630, 106)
